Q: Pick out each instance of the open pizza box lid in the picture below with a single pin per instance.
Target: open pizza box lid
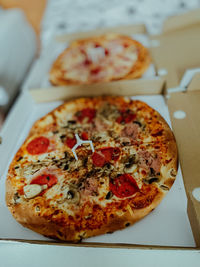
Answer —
(185, 99)
(177, 48)
(32, 102)
(184, 108)
(168, 50)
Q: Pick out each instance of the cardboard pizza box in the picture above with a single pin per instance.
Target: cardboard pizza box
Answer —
(180, 205)
(173, 51)
(168, 226)
(57, 44)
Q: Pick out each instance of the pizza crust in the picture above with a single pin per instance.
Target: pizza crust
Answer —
(47, 223)
(56, 74)
(27, 216)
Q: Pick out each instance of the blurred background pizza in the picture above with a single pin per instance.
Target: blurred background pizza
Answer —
(27, 27)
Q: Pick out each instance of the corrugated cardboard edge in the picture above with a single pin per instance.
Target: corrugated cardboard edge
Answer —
(119, 88)
(187, 133)
(124, 29)
(99, 245)
(195, 83)
(179, 38)
(127, 88)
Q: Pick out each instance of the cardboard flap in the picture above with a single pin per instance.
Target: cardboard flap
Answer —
(180, 21)
(177, 51)
(195, 83)
(124, 29)
(187, 133)
(128, 88)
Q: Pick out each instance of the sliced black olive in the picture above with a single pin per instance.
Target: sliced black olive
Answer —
(130, 162)
(81, 184)
(164, 187)
(78, 113)
(152, 180)
(71, 122)
(125, 143)
(138, 123)
(108, 165)
(62, 137)
(20, 158)
(66, 167)
(16, 167)
(85, 160)
(109, 195)
(70, 194)
(16, 197)
(152, 172)
(173, 173)
(92, 172)
(37, 208)
(127, 224)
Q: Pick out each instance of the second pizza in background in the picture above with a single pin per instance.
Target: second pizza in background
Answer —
(104, 58)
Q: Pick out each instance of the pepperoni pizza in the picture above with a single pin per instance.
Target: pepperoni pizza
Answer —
(100, 59)
(133, 165)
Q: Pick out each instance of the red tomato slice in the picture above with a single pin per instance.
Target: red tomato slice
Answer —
(126, 117)
(84, 136)
(86, 113)
(87, 62)
(48, 179)
(97, 45)
(38, 145)
(111, 153)
(95, 71)
(98, 159)
(124, 186)
(70, 142)
(104, 155)
(106, 52)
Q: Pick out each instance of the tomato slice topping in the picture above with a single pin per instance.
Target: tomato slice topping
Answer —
(84, 136)
(106, 52)
(87, 62)
(126, 117)
(70, 142)
(98, 159)
(95, 71)
(111, 153)
(104, 155)
(97, 45)
(86, 113)
(38, 145)
(48, 179)
(124, 186)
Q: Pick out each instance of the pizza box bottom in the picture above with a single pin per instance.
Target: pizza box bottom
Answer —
(167, 225)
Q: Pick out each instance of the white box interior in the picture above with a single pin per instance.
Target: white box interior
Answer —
(167, 225)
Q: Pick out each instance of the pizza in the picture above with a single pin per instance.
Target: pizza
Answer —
(100, 59)
(125, 165)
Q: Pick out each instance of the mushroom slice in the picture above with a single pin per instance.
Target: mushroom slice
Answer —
(70, 195)
(33, 190)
